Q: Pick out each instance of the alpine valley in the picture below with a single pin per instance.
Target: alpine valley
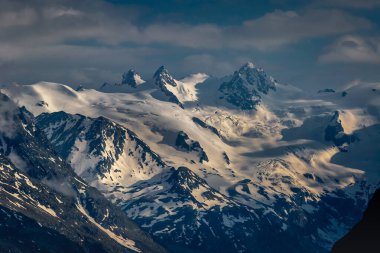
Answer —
(241, 163)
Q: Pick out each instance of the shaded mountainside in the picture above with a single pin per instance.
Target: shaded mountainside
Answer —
(364, 236)
(40, 190)
(19, 234)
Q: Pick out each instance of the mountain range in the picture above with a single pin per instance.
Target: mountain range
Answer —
(200, 164)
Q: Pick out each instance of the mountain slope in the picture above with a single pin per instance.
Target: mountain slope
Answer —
(39, 185)
(364, 236)
(171, 204)
(145, 199)
(100, 149)
(20, 233)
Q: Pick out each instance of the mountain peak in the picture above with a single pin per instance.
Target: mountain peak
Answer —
(246, 86)
(248, 65)
(163, 77)
(160, 70)
(167, 84)
(132, 78)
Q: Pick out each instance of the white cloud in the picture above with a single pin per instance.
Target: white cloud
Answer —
(271, 31)
(109, 25)
(208, 64)
(353, 49)
(56, 12)
(61, 40)
(285, 27)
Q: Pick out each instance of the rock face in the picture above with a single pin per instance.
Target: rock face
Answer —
(184, 142)
(334, 132)
(165, 82)
(364, 236)
(132, 79)
(246, 87)
(201, 123)
(42, 196)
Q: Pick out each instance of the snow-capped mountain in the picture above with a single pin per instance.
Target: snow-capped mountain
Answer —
(165, 197)
(246, 86)
(130, 80)
(43, 199)
(129, 173)
(100, 149)
(167, 85)
(178, 91)
(281, 162)
(162, 86)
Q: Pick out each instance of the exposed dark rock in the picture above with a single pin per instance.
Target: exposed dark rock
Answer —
(364, 236)
(131, 78)
(226, 158)
(246, 86)
(327, 90)
(184, 142)
(201, 123)
(162, 79)
(334, 132)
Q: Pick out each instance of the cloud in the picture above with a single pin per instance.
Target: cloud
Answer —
(107, 24)
(61, 185)
(92, 41)
(281, 28)
(360, 4)
(72, 64)
(352, 49)
(57, 12)
(271, 31)
(212, 65)
(23, 17)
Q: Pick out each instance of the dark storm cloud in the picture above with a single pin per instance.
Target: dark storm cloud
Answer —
(95, 41)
